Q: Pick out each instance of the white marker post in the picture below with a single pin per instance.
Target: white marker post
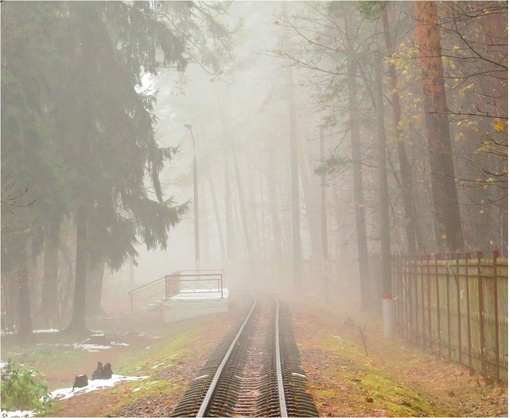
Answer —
(388, 317)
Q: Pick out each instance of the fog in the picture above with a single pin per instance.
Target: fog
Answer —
(240, 121)
(312, 137)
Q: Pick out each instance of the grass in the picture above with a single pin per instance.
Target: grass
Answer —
(142, 360)
(41, 356)
(356, 385)
(151, 360)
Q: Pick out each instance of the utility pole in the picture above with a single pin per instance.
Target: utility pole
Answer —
(195, 200)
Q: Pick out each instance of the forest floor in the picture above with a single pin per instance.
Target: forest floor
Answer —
(352, 369)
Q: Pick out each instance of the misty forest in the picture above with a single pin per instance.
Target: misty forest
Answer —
(347, 153)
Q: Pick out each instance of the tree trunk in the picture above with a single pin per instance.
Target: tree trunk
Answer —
(359, 198)
(243, 210)
(95, 277)
(324, 212)
(296, 222)
(496, 36)
(221, 238)
(24, 307)
(444, 191)
(50, 299)
(384, 218)
(311, 197)
(275, 213)
(406, 175)
(77, 324)
(229, 217)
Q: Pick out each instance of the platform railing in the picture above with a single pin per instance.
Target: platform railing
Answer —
(194, 281)
(151, 290)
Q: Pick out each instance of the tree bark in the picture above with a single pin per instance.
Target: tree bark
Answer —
(221, 238)
(296, 221)
(359, 198)
(324, 212)
(311, 197)
(406, 175)
(384, 218)
(243, 210)
(24, 307)
(229, 216)
(444, 191)
(50, 299)
(275, 214)
(78, 323)
(95, 277)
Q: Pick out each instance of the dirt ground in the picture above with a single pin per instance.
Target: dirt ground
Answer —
(352, 370)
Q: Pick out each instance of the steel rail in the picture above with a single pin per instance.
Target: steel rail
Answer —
(210, 392)
(278, 360)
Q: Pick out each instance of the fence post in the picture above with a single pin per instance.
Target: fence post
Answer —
(399, 281)
(495, 256)
(422, 275)
(448, 326)
(438, 307)
(416, 310)
(468, 305)
(429, 308)
(409, 298)
(459, 312)
(479, 256)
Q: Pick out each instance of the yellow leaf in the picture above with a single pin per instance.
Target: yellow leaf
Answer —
(499, 127)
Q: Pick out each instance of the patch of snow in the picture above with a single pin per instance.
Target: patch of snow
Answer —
(157, 365)
(199, 294)
(17, 414)
(97, 384)
(123, 344)
(81, 346)
(45, 331)
(91, 347)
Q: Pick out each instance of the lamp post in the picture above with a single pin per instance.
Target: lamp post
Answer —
(195, 200)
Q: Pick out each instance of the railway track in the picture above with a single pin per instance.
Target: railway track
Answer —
(253, 372)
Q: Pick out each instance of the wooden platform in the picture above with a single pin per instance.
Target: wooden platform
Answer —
(191, 304)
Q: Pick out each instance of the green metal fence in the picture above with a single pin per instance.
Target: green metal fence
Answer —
(456, 306)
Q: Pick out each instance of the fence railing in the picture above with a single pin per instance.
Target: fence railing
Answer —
(456, 306)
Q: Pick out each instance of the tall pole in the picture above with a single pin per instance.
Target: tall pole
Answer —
(195, 200)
